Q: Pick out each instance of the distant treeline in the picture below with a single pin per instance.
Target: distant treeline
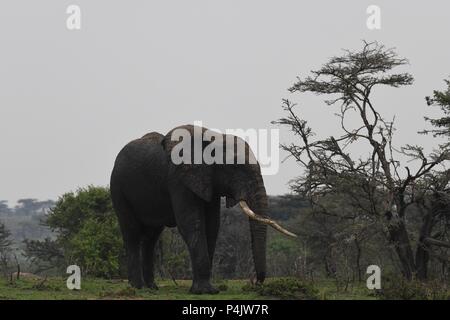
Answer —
(24, 220)
(38, 248)
(25, 207)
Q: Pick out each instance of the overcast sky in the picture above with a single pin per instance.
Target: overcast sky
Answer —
(70, 100)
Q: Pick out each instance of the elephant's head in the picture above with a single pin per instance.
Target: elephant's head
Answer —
(209, 163)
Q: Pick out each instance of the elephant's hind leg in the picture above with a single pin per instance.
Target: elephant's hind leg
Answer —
(132, 243)
(150, 238)
(132, 236)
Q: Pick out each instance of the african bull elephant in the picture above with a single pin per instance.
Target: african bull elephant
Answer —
(150, 192)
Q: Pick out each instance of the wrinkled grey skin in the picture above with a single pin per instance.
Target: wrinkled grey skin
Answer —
(149, 193)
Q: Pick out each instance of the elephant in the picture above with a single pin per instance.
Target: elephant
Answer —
(150, 192)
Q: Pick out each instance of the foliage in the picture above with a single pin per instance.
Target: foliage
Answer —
(5, 249)
(98, 246)
(72, 210)
(175, 262)
(221, 285)
(283, 254)
(440, 99)
(44, 255)
(30, 207)
(5, 241)
(285, 288)
(233, 257)
(4, 208)
(286, 206)
(371, 192)
(87, 233)
(24, 221)
(395, 288)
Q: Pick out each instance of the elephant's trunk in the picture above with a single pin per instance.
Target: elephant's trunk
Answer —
(258, 227)
(258, 233)
(258, 230)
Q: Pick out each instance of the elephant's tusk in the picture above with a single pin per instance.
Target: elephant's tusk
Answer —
(261, 219)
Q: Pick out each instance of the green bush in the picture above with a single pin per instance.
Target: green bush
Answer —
(97, 247)
(88, 235)
(398, 288)
(285, 288)
(221, 284)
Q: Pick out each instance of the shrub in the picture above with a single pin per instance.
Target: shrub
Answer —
(87, 234)
(397, 288)
(97, 247)
(221, 285)
(285, 288)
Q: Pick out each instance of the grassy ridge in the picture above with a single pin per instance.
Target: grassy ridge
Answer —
(29, 288)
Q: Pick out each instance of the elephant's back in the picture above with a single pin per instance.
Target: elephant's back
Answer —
(140, 177)
(143, 156)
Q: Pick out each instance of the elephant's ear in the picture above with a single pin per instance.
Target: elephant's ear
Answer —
(179, 146)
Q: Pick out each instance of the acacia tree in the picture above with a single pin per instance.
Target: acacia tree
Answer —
(435, 203)
(440, 99)
(378, 187)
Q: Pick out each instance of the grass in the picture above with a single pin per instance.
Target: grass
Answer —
(54, 288)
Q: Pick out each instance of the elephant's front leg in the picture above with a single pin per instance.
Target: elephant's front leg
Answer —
(189, 214)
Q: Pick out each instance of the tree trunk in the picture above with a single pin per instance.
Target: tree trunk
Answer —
(422, 255)
(398, 236)
(358, 259)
